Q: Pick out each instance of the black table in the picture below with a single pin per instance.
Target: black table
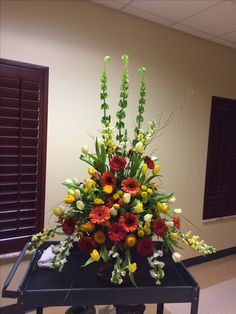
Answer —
(41, 287)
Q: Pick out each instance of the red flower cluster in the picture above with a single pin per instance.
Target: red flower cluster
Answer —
(117, 163)
(86, 245)
(176, 221)
(150, 163)
(116, 232)
(160, 227)
(68, 225)
(145, 246)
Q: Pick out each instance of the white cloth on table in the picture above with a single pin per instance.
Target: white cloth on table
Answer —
(46, 258)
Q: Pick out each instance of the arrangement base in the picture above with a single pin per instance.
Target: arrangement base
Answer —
(82, 309)
(130, 308)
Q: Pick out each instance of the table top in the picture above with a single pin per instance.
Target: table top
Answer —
(80, 285)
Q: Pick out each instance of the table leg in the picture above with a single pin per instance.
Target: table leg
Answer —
(39, 310)
(195, 301)
(160, 308)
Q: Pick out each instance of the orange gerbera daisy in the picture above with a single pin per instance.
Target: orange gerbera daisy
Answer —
(129, 221)
(131, 186)
(99, 214)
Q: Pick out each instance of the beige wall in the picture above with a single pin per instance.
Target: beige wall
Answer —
(72, 37)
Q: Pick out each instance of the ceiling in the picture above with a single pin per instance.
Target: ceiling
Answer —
(213, 20)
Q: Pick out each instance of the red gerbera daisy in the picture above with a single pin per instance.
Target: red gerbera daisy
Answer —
(160, 227)
(99, 214)
(131, 186)
(86, 245)
(108, 178)
(117, 163)
(116, 232)
(145, 247)
(149, 162)
(129, 221)
(68, 225)
(176, 221)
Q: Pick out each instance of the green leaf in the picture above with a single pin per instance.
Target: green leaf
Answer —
(89, 261)
(103, 154)
(104, 253)
(131, 277)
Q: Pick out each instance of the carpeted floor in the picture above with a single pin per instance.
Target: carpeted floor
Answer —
(216, 299)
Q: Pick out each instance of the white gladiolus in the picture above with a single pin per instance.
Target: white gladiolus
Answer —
(172, 199)
(177, 257)
(80, 205)
(84, 149)
(148, 217)
(68, 181)
(178, 210)
(169, 223)
(126, 198)
(75, 180)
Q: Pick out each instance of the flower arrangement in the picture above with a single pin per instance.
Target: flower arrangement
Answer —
(119, 207)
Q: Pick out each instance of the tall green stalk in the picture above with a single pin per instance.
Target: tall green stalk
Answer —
(104, 106)
(122, 135)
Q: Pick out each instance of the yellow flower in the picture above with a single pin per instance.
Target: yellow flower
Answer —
(34, 237)
(159, 206)
(165, 208)
(90, 184)
(116, 196)
(147, 224)
(174, 235)
(143, 187)
(131, 240)
(70, 191)
(120, 192)
(99, 237)
(95, 255)
(82, 228)
(140, 233)
(148, 231)
(132, 267)
(144, 169)
(144, 194)
(110, 143)
(69, 199)
(108, 189)
(149, 191)
(57, 211)
(156, 169)
(91, 170)
(138, 208)
(98, 201)
(116, 206)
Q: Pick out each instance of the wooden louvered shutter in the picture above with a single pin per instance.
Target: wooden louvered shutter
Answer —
(23, 129)
(220, 186)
